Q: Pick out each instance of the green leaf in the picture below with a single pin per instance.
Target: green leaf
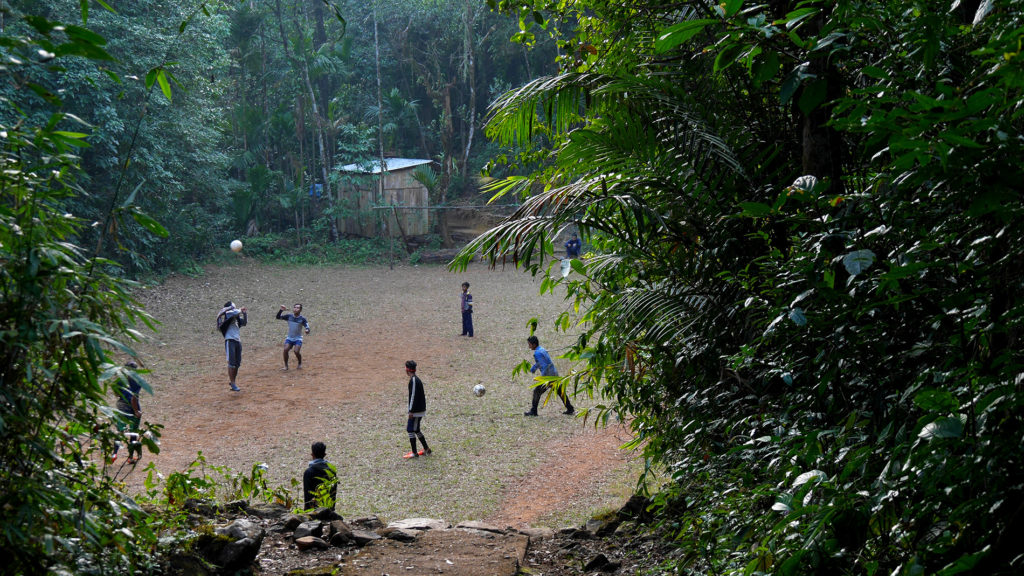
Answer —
(766, 67)
(959, 140)
(968, 562)
(796, 39)
(82, 48)
(874, 72)
(942, 428)
(790, 84)
(796, 315)
(579, 267)
(727, 56)
(75, 140)
(794, 18)
(755, 209)
(991, 200)
(812, 475)
(81, 34)
(679, 33)
(859, 261)
(149, 223)
(131, 197)
(732, 7)
(165, 86)
(813, 95)
(906, 271)
(71, 134)
(934, 400)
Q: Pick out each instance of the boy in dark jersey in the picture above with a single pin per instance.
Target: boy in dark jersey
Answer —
(417, 409)
(128, 406)
(466, 305)
(318, 473)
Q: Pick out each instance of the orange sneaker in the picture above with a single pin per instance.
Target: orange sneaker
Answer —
(411, 455)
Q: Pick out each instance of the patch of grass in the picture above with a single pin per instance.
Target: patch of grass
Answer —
(287, 249)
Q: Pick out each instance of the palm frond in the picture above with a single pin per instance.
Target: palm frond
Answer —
(425, 175)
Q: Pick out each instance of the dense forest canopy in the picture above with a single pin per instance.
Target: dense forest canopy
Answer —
(252, 104)
(803, 222)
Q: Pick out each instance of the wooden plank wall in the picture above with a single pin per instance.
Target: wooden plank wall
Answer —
(400, 189)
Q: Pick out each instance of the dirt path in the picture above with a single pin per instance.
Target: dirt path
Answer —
(490, 463)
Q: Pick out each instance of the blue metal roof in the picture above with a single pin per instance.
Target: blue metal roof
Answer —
(393, 164)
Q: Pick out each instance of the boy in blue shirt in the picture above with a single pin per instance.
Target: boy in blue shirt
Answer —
(542, 362)
(572, 247)
(296, 322)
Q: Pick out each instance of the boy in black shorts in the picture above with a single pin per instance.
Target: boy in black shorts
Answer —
(417, 409)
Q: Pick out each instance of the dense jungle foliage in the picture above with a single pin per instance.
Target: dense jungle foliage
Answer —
(803, 221)
(805, 283)
(226, 119)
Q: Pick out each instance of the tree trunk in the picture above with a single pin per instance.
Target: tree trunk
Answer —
(469, 19)
(324, 82)
(318, 125)
(822, 146)
(447, 166)
(440, 91)
(401, 229)
(380, 128)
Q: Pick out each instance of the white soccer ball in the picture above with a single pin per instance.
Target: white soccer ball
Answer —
(479, 390)
(236, 245)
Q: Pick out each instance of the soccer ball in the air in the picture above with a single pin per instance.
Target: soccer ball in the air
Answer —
(236, 245)
(479, 390)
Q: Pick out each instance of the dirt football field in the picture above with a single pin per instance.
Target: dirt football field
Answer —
(489, 462)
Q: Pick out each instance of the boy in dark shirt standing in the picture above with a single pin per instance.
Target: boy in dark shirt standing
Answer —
(466, 305)
(417, 409)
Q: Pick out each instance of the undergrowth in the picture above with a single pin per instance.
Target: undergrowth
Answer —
(281, 248)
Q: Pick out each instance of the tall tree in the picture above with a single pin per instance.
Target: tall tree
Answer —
(65, 320)
(166, 150)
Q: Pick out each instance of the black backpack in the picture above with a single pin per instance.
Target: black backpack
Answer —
(223, 323)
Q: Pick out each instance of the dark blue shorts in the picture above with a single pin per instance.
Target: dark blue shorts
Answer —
(413, 425)
(233, 349)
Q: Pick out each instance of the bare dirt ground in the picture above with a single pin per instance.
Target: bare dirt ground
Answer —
(489, 463)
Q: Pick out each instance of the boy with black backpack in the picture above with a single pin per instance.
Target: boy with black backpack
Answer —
(229, 320)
